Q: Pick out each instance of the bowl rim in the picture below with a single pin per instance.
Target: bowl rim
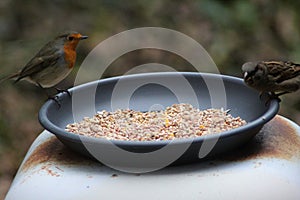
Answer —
(271, 111)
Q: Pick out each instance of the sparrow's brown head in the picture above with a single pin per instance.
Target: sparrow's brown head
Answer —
(253, 72)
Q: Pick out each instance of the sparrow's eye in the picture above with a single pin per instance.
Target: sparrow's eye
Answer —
(70, 38)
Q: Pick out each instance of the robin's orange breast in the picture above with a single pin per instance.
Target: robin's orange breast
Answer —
(70, 56)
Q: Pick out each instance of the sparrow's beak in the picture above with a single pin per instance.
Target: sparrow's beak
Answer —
(248, 79)
(83, 37)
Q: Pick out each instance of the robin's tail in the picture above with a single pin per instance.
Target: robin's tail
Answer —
(12, 76)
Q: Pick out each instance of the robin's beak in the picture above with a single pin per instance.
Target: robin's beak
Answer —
(245, 75)
(83, 37)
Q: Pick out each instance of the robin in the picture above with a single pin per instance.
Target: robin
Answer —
(52, 63)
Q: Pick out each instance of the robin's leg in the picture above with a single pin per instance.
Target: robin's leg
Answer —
(62, 90)
(54, 98)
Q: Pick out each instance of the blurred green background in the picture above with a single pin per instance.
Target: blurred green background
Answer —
(232, 31)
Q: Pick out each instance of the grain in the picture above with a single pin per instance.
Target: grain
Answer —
(175, 122)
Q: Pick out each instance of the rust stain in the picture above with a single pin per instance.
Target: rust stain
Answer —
(52, 154)
(277, 139)
(47, 168)
(59, 168)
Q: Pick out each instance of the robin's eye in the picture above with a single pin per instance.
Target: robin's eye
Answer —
(70, 38)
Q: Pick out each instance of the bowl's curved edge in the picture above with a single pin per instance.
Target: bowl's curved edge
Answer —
(69, 138)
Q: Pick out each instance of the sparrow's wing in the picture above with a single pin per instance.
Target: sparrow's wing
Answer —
(282, 71)
(46, 57)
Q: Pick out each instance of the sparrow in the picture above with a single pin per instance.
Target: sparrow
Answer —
(52, 63)
(273, 77)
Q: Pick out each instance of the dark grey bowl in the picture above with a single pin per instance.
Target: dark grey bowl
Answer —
(242, 101)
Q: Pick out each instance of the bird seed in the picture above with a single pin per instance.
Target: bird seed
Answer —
(175, 122)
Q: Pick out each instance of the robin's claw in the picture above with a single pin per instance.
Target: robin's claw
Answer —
(55, 98)
(63, 90)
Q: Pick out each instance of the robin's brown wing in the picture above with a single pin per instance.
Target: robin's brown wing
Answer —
(37, 64)
(46, 57)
